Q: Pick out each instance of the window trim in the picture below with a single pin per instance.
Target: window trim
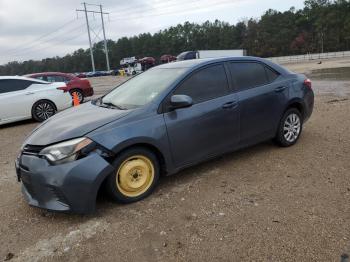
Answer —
(234, 82)
(164, 105)
(273, 70)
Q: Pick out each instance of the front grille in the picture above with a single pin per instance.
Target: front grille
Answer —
(32, 150)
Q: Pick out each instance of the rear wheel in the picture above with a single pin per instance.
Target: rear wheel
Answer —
(135, 177)
(79, 94)
(290, 128)
(43, 110)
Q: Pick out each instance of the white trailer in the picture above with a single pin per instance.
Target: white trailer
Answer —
(210, 54)
(219, 53)
(128, 60)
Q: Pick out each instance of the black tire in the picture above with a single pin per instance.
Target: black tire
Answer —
(282, 136)
(79, 93)
(114, 187)
(43, 110)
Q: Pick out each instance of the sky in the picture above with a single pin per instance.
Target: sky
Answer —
(38, 29)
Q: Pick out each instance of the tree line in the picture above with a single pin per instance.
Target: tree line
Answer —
(321, 26)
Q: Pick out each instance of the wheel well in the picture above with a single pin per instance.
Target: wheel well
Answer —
(75, 89)
(159, 155)
(298, 106)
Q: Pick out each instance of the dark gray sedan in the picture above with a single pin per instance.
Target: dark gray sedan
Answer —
(159, 122)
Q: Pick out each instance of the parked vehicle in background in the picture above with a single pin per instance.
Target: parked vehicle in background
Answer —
(161, 121)
(81, 87)
(115, 72)
(24, 98)
(97, 74)
(147, 62)
(134, 69)
(167, 59)
(81, 75)
(128, 61)
(209, 54)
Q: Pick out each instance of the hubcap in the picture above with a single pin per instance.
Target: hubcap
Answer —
(135, 176)
(291, 128)
(44, 110)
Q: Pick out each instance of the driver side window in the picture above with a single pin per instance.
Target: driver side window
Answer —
(205, 84)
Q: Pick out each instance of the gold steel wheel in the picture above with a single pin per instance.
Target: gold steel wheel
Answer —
(135, 176)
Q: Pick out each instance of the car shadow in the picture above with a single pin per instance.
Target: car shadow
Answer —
(18, 123)
(105, 205)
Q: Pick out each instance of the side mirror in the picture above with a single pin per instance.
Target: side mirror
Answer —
(180, 101)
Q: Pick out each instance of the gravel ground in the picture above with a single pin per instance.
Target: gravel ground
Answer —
(263, 203)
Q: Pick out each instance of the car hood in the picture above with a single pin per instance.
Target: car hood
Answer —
(72, 123)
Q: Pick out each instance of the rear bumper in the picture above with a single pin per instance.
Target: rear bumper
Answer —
(64, 102)
(70, 187)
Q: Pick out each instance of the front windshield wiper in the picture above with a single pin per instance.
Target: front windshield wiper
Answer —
(99, 102)
(111, 105)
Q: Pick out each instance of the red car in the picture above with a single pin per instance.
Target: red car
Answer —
(74, 84)
(167, 58)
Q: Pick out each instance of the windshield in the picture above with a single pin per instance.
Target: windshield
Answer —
(142, 88)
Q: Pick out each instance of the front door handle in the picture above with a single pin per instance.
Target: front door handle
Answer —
(280, 89)
(229, 105)
(29, 93)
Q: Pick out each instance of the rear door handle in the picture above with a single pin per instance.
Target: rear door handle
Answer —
(29, 93)
(229, 105)
(280, 89)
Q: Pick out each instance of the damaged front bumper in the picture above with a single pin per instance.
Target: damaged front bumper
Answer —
(70, 187)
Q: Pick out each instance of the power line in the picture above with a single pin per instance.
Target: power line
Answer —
(34, 47)
(151, 14)
(152, 8)
(56, 44)
(138, 7)
(35, 50)
(40, 37)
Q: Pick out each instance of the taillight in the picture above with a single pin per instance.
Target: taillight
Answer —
(308, 83)
(63, 88)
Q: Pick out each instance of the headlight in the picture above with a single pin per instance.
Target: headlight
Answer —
(66, 151)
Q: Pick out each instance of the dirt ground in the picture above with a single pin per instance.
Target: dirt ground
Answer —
(264, 203)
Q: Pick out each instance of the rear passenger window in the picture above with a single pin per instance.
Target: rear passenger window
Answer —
(61, 79)
(206, 84)
(11, 85)
(248, 75)
(51, 79)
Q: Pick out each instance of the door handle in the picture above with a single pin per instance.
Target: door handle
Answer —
(29, 93)
(280, 89)
(229, 105)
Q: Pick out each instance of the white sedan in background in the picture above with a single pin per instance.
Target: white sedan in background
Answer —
(24, 98)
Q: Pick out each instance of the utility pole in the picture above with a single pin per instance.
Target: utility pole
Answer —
(104, 39)
(88, 29)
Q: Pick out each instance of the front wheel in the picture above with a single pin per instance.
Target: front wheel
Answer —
(43, 110)
(290, 128)
(135, 177)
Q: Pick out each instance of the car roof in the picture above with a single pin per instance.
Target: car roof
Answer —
(50, 73)
(21, 78)
(196, 63)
